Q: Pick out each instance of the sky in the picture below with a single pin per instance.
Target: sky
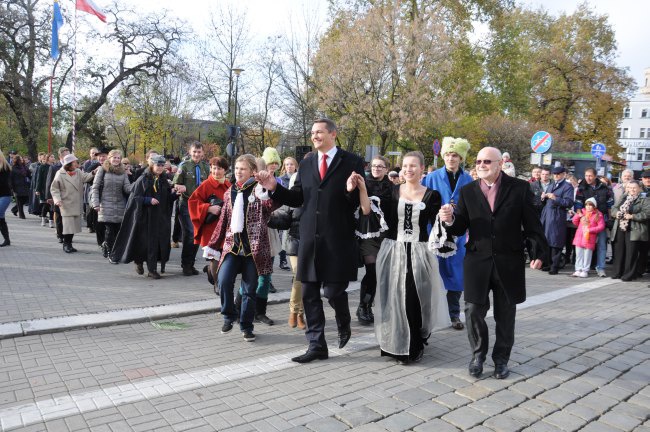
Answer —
(629, 19)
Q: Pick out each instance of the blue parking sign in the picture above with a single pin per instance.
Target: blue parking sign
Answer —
(598, 150)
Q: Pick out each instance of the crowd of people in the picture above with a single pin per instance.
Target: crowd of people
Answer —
(424, 236)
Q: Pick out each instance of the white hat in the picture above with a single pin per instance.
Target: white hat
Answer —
(69, 158)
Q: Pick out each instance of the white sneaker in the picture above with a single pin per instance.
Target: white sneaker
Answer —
(51, 224)
(583, 274)
(601, 273)
(43, 221)
(576, 273)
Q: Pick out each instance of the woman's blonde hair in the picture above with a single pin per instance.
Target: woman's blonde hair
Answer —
(4, 164)
(248, 159)
(283, 171)
(115, 152)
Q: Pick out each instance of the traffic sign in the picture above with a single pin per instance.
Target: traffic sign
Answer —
(598, 150)
(436, 147)
(541, 142)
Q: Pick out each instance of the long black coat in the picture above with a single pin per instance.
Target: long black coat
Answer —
(496, 239)
(328, 250)
(145, 228)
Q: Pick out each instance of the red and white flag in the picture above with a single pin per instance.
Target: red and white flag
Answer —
(90, 7)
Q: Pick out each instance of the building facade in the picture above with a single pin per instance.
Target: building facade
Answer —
(634, 129)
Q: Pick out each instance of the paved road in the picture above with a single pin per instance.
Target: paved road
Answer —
(581, 362)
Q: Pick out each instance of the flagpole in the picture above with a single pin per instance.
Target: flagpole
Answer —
(49, 130)
(74, 85)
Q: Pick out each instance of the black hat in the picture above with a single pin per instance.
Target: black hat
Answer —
(103, 150)
(646, 174)
(558, 170)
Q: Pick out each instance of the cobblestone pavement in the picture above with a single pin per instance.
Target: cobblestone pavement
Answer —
(39, 280)
(581, 362)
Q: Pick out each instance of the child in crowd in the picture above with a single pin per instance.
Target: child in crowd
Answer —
(590, 222)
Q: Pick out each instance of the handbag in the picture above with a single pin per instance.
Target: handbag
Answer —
(212, 200)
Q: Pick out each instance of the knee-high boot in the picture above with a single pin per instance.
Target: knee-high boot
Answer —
(4, 229)
(260, 311)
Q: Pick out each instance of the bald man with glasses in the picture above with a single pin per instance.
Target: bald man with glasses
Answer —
(498, 211)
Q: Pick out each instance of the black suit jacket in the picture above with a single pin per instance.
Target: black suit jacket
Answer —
(328, 250)
(496, 239)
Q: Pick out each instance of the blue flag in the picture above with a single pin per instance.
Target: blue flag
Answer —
(57, 23)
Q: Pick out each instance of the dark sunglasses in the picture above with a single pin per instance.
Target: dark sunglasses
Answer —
(483, 161)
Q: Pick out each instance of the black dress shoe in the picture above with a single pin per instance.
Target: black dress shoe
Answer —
(501, 371)
(476, 367)
(67, 248)
(139, 269)
(310, 355)
(552, 272)
(344, 336)
(616, 276)
(153, 275)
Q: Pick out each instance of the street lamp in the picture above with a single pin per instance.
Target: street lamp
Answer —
(235, 132)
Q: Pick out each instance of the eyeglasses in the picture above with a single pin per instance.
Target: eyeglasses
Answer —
(378, 166)
(484, 161)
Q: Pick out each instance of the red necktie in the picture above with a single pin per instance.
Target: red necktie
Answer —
(323, 167)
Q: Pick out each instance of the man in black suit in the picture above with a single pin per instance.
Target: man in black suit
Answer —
(328, 253)
(499, 213)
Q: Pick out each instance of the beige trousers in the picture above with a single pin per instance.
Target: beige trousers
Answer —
(295, 301)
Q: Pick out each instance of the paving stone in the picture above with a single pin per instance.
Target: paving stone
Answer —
(358, 416)
(452, 400)
(540, 426)
(620, 421)
(565, 421)
(597, 427)
(522, 415)
(585, 413)
(327, 424)
(539, 407)
(598, 402)
(388, 406)
(399, 422)
(504, 423)
(558, 397)
(474, 392)
(509, 397)
(372, 427)
(428, 410)
(455, 382)
(436, 425)
(640, 400)
(436, 388)
(527, 389)
(465, 418)
(413, 396)
(489, 406)
(631, 410)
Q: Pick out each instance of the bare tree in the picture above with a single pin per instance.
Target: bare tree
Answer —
(24, 49)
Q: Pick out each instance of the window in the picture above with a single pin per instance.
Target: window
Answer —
(642, 133)
(643, 154)
(618, 132)
(626, 112)
(644, 113)
(626, 133)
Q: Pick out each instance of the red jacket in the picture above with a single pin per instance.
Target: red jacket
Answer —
(198, 207)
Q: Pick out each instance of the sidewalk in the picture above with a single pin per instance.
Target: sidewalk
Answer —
(39, 282)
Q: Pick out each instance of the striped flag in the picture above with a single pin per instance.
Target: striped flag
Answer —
(90, 7)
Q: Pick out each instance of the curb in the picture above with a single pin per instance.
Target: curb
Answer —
(124, 316)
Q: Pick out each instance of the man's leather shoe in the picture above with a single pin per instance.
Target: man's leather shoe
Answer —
(476, 367)
(310, 355)
(344, 336)
(501, 371)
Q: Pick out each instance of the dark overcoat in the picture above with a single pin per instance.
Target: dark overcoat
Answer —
(146, 229)
(554, 213)
(328, 250)
(496, 238)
